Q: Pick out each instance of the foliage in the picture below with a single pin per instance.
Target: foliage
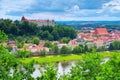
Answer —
(90, 67)
(65, 50)
(36, 40)
(55, 49)
(102, 48)
(25, 28)
(43, 53)
(9, 48)
(48, 44)
(22, 54)
(7, 61)
(19, 43)
(3, 36)
(49, 74)
(81, 49)
(65, 40)
(77, 49)
(115, 45)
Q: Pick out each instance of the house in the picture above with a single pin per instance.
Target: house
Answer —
(40, 23)
(73, 43)
(13, 45)
(60, 45)
(100, 31)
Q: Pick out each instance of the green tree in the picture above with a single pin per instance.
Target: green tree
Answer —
(36, 40)
(49, 74)
(55, 35)
(48, 44)
(22, 54)
(65, 50)
(93, 49)
(43, 53)
(86, 49)
(7, 62)
(3, 36)
(45, 34)
(87, 69)
(102, 48)
(9, 48)
(65, 40)
(115, 45)
(77, 50)
(50, 37)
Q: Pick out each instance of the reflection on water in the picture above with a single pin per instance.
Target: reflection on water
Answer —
(36, 73)
(63, 68)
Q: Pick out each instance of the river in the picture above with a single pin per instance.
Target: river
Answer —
(62, 67)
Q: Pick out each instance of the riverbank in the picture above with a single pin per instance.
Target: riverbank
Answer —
(70, 57)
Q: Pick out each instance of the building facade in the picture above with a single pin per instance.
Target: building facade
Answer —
(40, 23)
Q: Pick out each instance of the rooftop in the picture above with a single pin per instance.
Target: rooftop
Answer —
(101, 31)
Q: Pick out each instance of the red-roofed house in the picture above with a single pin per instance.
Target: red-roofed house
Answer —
(40, 23)
(73, 43)
(101, 31)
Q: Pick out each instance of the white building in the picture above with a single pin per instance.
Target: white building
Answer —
(40, 23)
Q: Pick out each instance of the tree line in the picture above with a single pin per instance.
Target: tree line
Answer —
(24, 28)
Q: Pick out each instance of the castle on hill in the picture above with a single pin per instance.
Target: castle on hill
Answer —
(40, 23)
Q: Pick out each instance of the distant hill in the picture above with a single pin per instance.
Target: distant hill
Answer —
(110, 25)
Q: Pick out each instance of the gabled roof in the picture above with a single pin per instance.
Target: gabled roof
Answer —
(101, 31)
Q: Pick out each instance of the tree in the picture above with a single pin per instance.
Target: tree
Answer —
(19, 43)
(77, 49)
(49, 74)
(93, 49)
(9, 48)
(102, 48)
(36, 40)
(65, 50)
(89, 68)
(86, 49)
(23, 53)
(48, 44)
(50, 37)
(55, 49)
(7, 62)
(65, 40)
(3, 36)
(55, 35)
(115, 45)
(43, 52)
(45, 35)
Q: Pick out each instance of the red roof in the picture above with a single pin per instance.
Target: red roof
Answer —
(101, 31)
(23, 19)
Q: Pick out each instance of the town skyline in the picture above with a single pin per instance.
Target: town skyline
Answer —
(65, 10)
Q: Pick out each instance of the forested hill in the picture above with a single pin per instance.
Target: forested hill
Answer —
(93, 24)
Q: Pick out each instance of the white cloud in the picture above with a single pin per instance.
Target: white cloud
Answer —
(65, 17)
(112, 6)
(7, 6)
(70, 10)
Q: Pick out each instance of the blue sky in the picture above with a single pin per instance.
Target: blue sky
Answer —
(61, 9)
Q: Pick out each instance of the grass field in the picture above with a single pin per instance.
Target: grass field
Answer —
(49, 59)
(60, 58)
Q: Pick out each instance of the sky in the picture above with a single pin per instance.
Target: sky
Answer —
(61, 10)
